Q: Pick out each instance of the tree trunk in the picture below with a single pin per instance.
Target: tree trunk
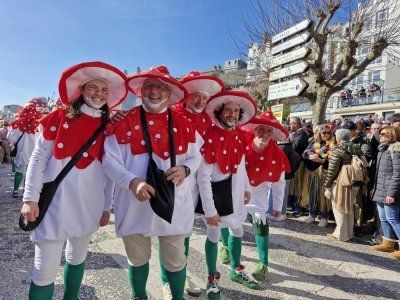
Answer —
(319, 106)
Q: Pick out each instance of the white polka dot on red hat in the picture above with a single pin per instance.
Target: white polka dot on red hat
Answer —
(166, 153)
(247, 148)
(273, 162)
(65, 125)
(151, 122)
(143, 142)
(224, 152)
(129, 133)
(158, 136)
(53, 128)
(85, 154)
(270, 174)
(262, 158)
(235, 166)
(94, 143)
(60, 145)
(221, 138)
(175, 130)
(180, 148)
(137, 127)
(257, 169)
(210, 141)
(212, 153)
(252, 181)
(227, 167)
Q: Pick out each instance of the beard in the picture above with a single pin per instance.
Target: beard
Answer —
(228, 123)
(154, 106)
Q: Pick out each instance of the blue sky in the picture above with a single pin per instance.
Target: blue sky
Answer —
(41, 38)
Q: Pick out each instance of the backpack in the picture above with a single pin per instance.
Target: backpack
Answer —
(357, 165)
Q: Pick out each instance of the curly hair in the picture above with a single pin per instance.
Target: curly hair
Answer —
(218, 112)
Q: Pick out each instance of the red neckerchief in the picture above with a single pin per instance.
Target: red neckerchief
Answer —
(70, 135)
(129, 131)
(224, 148)
(25, 125)
(201, 122)
(266, 165)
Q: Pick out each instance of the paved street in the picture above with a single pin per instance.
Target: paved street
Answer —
(303, 263)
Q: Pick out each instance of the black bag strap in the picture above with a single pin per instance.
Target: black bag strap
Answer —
(19, 139)
(146, 135)
(78, 155)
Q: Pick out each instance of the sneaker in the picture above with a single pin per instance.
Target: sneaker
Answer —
(15, 194)
(309, 220)
(191, 288)
(283, 217)
(239, 275)
(296, 214)
(323, 223)
(166, 292)
(260, 273)
(213, 291)
(224, 255)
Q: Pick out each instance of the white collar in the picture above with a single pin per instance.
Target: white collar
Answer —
(92, 112)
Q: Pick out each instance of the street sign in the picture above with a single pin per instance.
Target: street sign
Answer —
(289, 57)
(277, 110)
(288, 71)
(290, 31)
(290, 88)
(300, 39)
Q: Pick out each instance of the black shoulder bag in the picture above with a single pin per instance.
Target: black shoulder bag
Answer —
(13, 152)
(49, 188)
(163, 201)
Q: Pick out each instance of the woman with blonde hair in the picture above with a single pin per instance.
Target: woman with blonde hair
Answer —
(316, 160)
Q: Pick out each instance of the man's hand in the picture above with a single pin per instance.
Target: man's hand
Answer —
(30, 210)
(213, 221)
(141, 189)
(176, 174)
(389, 200)
(119, 116)
(105, 218)
(247, 197)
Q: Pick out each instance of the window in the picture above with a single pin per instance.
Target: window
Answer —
(363, 50)
(387, 115)
(377, 60)
(375, 76)
(381, 16)
(359, 81)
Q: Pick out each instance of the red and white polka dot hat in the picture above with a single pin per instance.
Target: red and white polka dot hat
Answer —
(178, 91)
(267, 118)
(198, 82)
(74, 77)
(243, 99)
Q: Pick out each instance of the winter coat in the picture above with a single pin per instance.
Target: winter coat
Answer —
(339, 157)
(299, 141)
(387, 176)
(364, 145)
(293, 157)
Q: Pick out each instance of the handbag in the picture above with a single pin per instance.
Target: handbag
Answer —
(13, 152)
(49, 188)
(162, 203)
(222, 195)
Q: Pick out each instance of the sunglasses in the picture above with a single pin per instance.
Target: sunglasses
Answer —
(383, 134)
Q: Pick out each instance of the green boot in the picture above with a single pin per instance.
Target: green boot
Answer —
(73, 275)
(260, 273)
(224, 255)
(239, 275)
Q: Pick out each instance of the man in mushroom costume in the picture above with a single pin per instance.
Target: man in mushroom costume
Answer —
(266, 166)
(223, 183)
(140, 210)
(200, 88)
(83, 200)
(22, 134)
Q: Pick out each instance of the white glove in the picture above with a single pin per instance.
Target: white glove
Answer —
(328, 193)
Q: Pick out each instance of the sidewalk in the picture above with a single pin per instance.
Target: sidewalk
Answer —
(303, 263)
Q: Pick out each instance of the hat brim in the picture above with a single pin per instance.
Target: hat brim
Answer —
(178, 91)
(73, 78)
(243, 99)
(210, 84)
(280, 133)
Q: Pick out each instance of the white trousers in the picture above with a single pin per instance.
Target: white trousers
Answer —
(214, 233)
(48, 256)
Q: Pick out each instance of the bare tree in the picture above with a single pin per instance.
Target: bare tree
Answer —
(347, 36)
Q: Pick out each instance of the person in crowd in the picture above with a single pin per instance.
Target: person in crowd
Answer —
(200, 88)
(308, 128)
(316, 160)
(22, 135)
(340, 185)
(147, 206)
(386, 192)
(343, 98)
(87, 90)
(355, 95)
(5, 147)
(266, 165)
(223, 184)
(362, 93)
(395, 120)
(299, 142)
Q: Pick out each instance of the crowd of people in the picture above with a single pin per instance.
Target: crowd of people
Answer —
(192, 146)
(360, 96)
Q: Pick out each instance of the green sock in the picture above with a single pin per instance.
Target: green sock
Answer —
(187, 240)
(13, 167)
(177, 283)
(211, 256)
(138, 279)
(41, 292)
(73, 275)
(225, 236)
(164, 278)
(235, 250)
(17, 180)
(262, 246)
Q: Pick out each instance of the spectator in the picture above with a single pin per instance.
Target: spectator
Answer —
(5, 147)
(363, 94)
(343, 98)
(340, 172)
(395, 120)
(316, 161)
(387, 188)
